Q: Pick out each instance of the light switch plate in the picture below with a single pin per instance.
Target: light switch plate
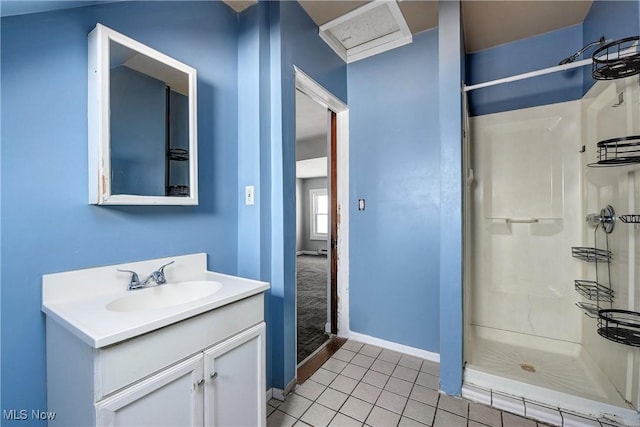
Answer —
(249, 193)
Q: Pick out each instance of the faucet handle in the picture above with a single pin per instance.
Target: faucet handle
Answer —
(158, 275)
(134, 282)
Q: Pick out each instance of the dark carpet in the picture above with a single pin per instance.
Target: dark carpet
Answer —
(312, 303)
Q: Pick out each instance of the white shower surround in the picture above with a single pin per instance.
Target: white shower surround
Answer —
(520, 296)
(527, 216)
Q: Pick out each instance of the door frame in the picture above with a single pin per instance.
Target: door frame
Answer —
(315, 91)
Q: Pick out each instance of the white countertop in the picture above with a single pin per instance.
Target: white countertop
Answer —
(78, 300)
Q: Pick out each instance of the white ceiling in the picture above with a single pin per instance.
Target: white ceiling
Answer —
(311, 118)
(311, 127)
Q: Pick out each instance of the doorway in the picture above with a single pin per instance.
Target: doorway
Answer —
(336, 124)
(313, 226)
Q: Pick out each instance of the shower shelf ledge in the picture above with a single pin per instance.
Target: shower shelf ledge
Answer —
(589, 309)
(590, 254)
(593, 291)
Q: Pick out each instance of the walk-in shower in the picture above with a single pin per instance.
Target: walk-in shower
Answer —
(537, 301)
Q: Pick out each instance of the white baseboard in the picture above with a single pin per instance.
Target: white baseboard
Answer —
(291, 386)
(276, 393)
(312, 252)
(281, 395)
(389, 345)
(269, 394)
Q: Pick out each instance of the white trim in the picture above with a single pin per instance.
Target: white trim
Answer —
(389, 345)
(269, 394)
(277, 394)
(342, 152)
(313, 194)
(98, 113)
(522, 76)
(392, 44)
(334, 45)
(497, 385)
(305, 252)
(325, 98)
(316, 92)
(280, 394)
(373, 47)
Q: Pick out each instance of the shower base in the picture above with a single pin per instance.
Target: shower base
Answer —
(513, 372)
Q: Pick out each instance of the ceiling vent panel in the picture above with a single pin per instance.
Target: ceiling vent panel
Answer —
(371, 29)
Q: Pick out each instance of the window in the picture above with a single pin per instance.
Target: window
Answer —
(319, 204)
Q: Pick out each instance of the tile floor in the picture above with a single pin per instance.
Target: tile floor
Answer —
(366, 385)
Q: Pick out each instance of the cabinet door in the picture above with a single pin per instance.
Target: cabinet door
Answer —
(172, 397)
(234, 394)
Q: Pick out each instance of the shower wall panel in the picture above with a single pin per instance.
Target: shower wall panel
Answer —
(612, 110)
(527, 216)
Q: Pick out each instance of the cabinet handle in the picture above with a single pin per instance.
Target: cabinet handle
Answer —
(213, 376)
(200, 383)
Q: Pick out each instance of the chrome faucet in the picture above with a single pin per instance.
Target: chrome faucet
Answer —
(157, 276)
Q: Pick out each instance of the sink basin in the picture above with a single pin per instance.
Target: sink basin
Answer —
(163, 296)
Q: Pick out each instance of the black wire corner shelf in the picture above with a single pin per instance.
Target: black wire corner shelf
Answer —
(621, 326)
(620, 151)
(590, 254)
(593, 291)
(616, 60)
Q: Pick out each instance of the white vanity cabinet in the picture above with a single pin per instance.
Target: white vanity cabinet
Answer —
(224, 386)
(205, 370)
(173, 397)
(234, 392)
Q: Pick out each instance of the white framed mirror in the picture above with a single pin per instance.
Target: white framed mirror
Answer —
(142, 124)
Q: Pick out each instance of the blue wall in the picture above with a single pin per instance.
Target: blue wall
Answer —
(394, 157)
(249, 119)
(47, 225)
(254, 153)
(294, 40)
(138, 115)
(612, 18)
(451, 68)
(522, 56)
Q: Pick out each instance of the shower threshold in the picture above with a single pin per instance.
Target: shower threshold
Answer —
(552, 386)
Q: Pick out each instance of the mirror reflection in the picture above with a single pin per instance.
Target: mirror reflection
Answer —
(149, 125)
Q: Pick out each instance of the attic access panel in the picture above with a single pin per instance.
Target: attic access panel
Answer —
(371, 29)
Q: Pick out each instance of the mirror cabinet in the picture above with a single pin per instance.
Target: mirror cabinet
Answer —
(142, 124)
